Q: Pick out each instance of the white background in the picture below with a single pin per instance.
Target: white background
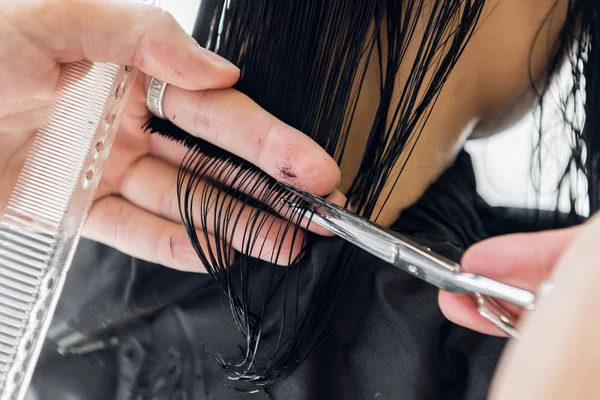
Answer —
(184, 11)
(502, 163)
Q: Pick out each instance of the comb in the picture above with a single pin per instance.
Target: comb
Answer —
(42, 223)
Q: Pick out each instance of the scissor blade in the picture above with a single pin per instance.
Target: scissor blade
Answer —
(350, 227)
(400, 252)
(379, 243)
(405, 254)
(391, 247)
(388, 246)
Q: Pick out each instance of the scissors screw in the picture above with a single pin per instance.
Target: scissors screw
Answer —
(413, 270)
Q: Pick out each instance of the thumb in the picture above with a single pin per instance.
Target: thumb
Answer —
(121, 32)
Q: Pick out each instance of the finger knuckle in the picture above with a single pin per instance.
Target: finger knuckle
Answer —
(157, 17)
(169, 204)
(51, 7)
(138, 54)
(203, 124)
(165, 248)
(166, 17)
(270, 132)
(52, 16)
(122, 218)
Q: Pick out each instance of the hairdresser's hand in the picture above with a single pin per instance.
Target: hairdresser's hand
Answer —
(523, 260)
(136, 209)
(558, 356)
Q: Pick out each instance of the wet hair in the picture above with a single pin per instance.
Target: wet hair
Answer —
(569, 107)
(305, 62)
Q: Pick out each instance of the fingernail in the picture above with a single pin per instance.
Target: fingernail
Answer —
(217, 59)
(545, 288)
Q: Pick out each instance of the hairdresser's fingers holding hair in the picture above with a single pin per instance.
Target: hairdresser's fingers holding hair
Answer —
(119, 224)
(232, 121)
(40, 35)
(272, 232)
(37, 37)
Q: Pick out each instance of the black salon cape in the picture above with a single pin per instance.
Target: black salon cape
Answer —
(392, 342)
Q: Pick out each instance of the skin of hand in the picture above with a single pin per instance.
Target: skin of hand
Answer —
(136, 207)
(558, 355)
(523, 260)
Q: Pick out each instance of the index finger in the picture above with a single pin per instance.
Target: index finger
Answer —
(232, 121)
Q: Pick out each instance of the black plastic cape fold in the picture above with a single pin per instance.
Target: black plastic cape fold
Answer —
(391, 340)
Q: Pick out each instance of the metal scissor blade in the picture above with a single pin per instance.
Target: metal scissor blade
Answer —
(350, 227)
(388, 246)
(405, 254)
(418, 260)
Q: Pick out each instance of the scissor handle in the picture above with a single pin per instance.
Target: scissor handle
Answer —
(499, 316)
(473, 283)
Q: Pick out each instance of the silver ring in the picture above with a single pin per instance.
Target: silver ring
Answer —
(155, 97)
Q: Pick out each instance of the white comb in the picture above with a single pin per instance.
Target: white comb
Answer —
(41, 225)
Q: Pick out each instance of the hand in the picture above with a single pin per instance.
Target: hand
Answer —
(522, 260)
(136, 206)
(558, 356)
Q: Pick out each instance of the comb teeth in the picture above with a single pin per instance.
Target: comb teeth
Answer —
(44, 216)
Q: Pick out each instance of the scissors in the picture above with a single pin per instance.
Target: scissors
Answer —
(418, 260)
